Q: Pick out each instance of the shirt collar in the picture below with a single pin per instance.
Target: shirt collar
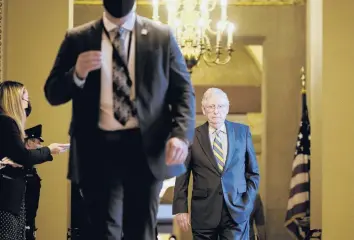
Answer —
(222, 129)
(128, 25)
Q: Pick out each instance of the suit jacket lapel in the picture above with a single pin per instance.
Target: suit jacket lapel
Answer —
(141, 41)
(231, 143)
(204, 141)
(94, 44)
(96, 35)
(93, 84)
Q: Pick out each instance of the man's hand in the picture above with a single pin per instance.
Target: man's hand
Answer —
(183, 221)
(87, 62)
(7, 162)
(176, 151)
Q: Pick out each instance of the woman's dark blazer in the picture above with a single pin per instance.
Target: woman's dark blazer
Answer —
(12, 181)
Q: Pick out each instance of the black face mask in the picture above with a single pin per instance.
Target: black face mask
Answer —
(118, 8)
(28, 110)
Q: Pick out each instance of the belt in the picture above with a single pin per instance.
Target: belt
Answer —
(124, 134)
(31, 172)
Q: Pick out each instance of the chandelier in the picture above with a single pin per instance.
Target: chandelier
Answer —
(190, 22)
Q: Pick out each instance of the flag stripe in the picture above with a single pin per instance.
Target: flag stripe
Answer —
(298, 198)
(300, 159)
(297, 209)
(296, 231)
(299, 179)
(302, 187)
(302, 168)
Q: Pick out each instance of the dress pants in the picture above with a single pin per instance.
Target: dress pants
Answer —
(226, 230)
(122, 195)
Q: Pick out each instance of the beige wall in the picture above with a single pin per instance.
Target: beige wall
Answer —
(332, 99)
(34, 32)
(338, 98)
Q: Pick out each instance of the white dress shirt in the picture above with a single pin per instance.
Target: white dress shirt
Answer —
(107, 120)
(223, 138)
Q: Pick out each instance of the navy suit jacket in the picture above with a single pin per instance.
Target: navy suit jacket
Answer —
(236, 185)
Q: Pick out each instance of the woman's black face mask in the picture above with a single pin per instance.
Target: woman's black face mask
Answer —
(28, 110)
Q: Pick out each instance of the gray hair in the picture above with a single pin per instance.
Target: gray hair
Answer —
(212, 92)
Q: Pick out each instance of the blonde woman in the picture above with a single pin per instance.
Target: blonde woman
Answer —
(14, 109)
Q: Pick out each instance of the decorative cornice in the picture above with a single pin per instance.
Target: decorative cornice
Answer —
(231, 2)
(2, 20)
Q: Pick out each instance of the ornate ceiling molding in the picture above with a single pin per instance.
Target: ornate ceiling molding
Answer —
(2, 20)
(230, 2)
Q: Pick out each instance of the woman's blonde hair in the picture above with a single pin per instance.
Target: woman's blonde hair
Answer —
(11, 96)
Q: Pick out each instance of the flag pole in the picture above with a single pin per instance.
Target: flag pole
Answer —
(304, 104)
(303, 80)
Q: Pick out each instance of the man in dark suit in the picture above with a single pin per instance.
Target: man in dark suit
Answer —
(33, 140)
(131, 92)
(225, 176)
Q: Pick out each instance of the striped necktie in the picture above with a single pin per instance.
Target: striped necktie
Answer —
(218, 151)
(123, 106)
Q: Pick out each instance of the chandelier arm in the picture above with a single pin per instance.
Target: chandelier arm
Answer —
(224, 61)
(210, 30)
(209, 64)
(213, 5)
(207, 42)
(208, 58)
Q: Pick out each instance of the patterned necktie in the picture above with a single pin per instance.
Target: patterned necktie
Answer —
(123, 106)
(218, 152)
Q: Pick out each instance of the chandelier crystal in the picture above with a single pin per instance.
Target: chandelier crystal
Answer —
(191, 24)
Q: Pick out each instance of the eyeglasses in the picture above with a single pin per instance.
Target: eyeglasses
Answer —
(211, 108)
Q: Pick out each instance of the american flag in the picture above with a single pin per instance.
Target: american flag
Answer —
(298, 212)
